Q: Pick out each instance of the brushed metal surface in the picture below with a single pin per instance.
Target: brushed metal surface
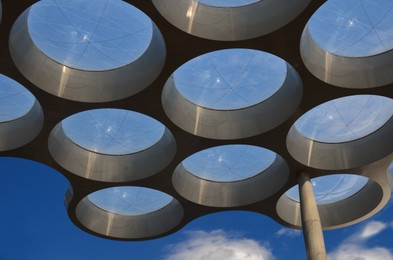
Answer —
(233, 124)
(110, 168)
(346, 72)
(364, 204)
(129, 226)
(231, 194)
(13, 133)
(230, 23)
(83, 85)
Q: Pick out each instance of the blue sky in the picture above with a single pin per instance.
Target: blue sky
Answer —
(34, 225)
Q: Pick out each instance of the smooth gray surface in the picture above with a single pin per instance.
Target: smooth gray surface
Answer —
(84, 85)
(229, 23)
(227, 193)
(141, 226)
(224, 123)
(113, 131)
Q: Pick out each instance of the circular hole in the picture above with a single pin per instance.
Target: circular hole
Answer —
(345, 119)
(88, 53)
(340, 134)
(19, 110)
(349, 44)
(15, 100)
(229, 163)
(129, 212)
(230, 79)
(113, 131)
(226, 20)
(353, 28)
(230, 175)
(103, 36)
(227, 3)
(223, 94)
(332, 188)
(342, 200)
(112, 145)
(129, 201)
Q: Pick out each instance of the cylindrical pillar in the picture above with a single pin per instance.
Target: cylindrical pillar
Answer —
(311, 223)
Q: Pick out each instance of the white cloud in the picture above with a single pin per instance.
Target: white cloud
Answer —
(288, 232)
(218, 244)
(359, 252)
(354, 248)
(371, 229)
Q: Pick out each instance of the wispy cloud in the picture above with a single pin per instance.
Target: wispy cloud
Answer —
(355, 248)
(359, 252)
(288, 232)
(371, 229)
(218, 244)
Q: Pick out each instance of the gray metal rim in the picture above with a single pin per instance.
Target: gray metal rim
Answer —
(13, 133)
(346, 72)
(110, 168)
(231, 194)
(129, 227)
(81, 85)
(233, 124)
(364, 204)
(339, 156)
(230, 23)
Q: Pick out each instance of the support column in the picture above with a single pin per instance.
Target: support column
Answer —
(311, 223)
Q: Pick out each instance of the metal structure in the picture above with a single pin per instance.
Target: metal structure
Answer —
(178, 149)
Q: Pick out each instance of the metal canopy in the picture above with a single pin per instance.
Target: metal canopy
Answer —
(181, 48)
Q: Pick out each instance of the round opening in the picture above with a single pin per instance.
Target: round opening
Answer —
(112, 145)
(224, 94)
(342, 200)
(353, 28)
(230, 20)
(343, 133)
(227, 3)
(129, 201)
(77, 34)
(332, 188)
(345, 119)
(230, 79)
(129, 212)
(230, 175)
(15, 100)
(229, 163)
(113, 131)
(21, 116)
